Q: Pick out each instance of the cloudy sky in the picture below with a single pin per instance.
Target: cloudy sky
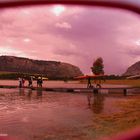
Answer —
(77, 35)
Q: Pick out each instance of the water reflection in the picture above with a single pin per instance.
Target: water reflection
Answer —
(29, 94)
(21, 92)
(24, 111)
(39, 94)
(96, 102)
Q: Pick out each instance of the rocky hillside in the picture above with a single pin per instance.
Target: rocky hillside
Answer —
(53, 69)
(133, 70)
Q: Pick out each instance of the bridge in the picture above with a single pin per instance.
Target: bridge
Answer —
(107, 90)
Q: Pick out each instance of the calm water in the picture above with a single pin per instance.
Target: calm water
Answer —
(39, 115)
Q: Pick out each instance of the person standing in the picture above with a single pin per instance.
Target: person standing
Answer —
(41, 82)
(89, 85)
(23, 81)
(20, 82)
(38, 82)
(30, 80)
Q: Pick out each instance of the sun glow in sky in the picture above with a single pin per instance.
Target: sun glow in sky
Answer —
(78, 36)
(58, 10)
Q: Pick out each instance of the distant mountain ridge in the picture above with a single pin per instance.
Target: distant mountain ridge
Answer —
(53, 69)
(133, 69)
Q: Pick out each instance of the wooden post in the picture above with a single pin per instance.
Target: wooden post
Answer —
(70, 90)
(124, 91)
(95, 91)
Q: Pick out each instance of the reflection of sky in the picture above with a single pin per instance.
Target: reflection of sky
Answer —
(72, 34)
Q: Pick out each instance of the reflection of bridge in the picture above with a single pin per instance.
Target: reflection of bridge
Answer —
(123, 90)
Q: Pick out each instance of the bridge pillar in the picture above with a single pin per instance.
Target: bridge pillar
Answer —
(125, 92)
(95, 91)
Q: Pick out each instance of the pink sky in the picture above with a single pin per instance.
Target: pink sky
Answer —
(77, 35)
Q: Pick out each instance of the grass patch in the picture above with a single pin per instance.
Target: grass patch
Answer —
(124, 82)
(130, 82)
(108, 125)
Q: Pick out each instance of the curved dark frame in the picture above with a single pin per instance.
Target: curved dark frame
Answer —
(135, 134)
(123, 4)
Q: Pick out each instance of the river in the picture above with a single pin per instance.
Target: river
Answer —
(39, 115)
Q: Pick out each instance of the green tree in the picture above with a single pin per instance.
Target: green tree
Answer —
(98, 66)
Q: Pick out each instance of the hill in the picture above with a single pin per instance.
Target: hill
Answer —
(133, 69)
(52, 69)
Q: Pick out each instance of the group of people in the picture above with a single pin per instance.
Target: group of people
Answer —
(97, 84)
(21, 82)
(30, 82)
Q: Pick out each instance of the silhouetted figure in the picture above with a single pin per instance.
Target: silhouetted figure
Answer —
(30, 80)
(23, 82)
(20, 82)
(39, 82)
(89, 85)
(98, 86)
(97, 83)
